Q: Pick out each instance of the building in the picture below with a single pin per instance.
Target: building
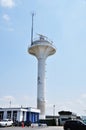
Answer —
(20, 114)
(65, 115)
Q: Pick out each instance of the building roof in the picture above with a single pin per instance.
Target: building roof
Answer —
(66, 113)
(30, 109)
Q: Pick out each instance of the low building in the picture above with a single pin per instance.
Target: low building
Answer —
(65, 115)
(20, 114)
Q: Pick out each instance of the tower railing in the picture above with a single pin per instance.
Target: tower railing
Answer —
(43, 38)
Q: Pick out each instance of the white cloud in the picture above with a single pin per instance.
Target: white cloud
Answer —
(77, 105)
(84, 96)
(12, 101)
(6, 17)
(6, 98)
(7, 101)
(25, 100)
(7, 3)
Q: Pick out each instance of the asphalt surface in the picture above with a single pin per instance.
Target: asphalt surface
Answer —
(32, 128)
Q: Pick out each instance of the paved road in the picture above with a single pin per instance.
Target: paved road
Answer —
(32, 128)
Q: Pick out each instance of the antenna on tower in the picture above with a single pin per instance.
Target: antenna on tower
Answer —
(32, 29)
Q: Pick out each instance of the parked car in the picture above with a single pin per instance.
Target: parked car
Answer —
(6, 122)
(27, 123)
(74, 125)
(16, 123)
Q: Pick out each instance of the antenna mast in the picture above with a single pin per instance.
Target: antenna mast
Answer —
(32, 29)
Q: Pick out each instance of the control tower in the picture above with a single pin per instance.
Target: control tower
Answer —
(41, 49)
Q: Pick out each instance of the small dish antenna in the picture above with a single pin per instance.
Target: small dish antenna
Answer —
(42, 36)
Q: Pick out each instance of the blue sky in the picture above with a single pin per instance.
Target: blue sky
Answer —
(64, 22)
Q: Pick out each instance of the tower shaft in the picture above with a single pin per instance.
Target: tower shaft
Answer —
(41, 87)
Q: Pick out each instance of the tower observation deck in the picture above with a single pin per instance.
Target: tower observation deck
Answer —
(41, 48)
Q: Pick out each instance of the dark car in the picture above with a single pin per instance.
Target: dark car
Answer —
(27, 123)
(74, 125)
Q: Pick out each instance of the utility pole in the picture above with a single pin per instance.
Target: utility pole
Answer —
(53, 111)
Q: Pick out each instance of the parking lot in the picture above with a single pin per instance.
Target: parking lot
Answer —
(32, 128)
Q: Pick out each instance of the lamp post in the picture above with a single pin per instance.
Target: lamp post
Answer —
(53, 111)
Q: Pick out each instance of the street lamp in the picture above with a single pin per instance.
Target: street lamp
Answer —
(53, 111)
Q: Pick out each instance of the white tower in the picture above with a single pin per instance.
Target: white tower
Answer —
(41, 49)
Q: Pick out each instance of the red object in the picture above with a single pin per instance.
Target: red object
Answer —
(22, 124)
